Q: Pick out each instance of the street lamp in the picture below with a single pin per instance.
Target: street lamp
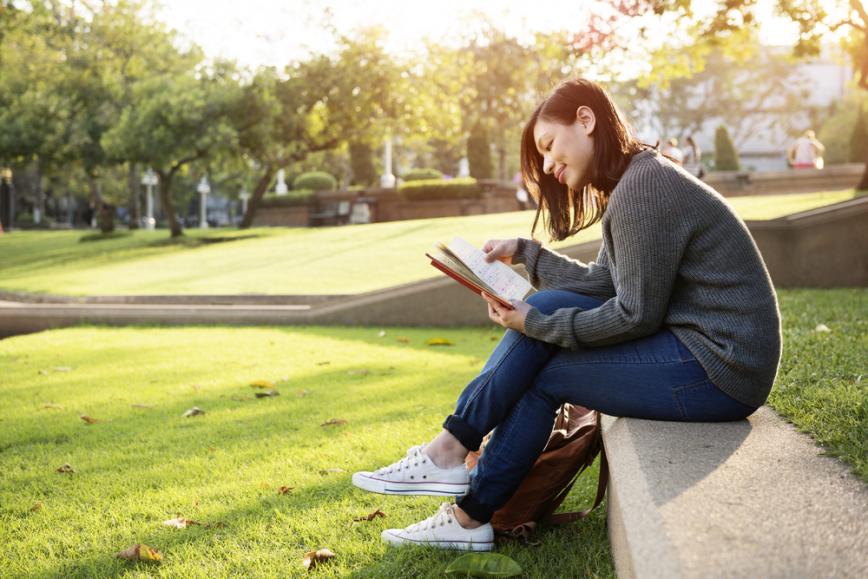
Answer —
(149, 180)
(204, 188)
(244, 196)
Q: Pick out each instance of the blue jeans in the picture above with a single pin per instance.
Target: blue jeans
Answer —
(525, 381)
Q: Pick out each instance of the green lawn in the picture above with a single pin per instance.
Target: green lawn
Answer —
(138, 467)
(333, 260)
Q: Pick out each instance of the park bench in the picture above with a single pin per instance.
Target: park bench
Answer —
(753, 498)
(332, 213)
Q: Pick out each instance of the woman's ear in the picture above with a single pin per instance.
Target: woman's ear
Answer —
(586, 119)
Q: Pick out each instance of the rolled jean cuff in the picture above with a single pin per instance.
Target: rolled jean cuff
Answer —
(477, 511)
(468, 436)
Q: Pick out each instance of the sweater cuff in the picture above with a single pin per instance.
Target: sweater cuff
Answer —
(527, 252)
(536, 325)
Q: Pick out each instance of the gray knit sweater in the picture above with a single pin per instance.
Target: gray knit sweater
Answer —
(674, 256)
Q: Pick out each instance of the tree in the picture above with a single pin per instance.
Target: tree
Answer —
(479, 153)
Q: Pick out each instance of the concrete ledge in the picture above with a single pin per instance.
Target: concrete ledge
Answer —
(753, 498)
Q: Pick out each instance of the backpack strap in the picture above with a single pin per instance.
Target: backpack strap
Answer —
(602, 482)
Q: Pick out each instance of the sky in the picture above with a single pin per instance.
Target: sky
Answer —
(274, 32)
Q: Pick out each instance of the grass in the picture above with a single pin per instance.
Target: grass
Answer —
(822, 385)
(138, 467)
(332, 260)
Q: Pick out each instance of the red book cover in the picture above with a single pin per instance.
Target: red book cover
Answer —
(466, 282)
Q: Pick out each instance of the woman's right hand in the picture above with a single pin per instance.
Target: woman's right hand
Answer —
(500, 249)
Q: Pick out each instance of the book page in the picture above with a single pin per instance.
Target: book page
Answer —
(497, 275)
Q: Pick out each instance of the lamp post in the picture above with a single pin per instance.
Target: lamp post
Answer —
(387, 179)
(149, 180)
(244, 196)
(282, 188)
(204, 188)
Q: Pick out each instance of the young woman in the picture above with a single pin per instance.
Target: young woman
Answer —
(676, 320)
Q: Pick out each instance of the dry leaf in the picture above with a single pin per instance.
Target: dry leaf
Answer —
(66, 469)
(44, 372)
(331, 470)
(284, 490)
(264, 485)
(212, 449)
(822, 328)
(142, 406)
(371, 517)
(88, 419)
(302, 393)
(261, 384)
(36, 506)
(267, 394)
(439, 342)
(404, 340)
(334, 422)
(494, 338)
(140, 552)
(180, 523)
(311, 558)
(195, 411)
(324, 363)
(62, 369)
(53, 406)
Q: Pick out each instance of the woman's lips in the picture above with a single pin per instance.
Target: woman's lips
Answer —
(560, 174)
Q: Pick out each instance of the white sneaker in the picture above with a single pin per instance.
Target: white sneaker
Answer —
(415, 474)
(444, 531)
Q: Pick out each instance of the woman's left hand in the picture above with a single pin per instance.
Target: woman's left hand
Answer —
(511, 319)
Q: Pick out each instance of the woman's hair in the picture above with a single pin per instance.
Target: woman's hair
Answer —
(569, 211)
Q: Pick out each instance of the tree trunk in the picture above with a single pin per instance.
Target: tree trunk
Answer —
(863, 182)
(106, 218)
(135, 206)
(166, 201)
(95, 200)
(258, 193)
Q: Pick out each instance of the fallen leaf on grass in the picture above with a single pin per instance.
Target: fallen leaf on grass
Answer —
(180, 523)
(88, 419)
(142, 406)
(311, 558)
(370, 517)
(822, 328)
(403, 340)
(261, 384)
(140, 552)
(494, 338)
(36, 506)
(439, 342)
(65, 469)
(195, 411)
(52, 406)
(284, 490)
(267, 394)
(44, 372)
(334, 422)
(358, 372)
(302, 393)
(323, 363)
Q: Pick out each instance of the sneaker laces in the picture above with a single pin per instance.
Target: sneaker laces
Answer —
(413, 454)
(444, 515)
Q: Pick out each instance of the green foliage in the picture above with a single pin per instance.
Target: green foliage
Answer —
(422, 174)
(484, 565)
(362, 164)
(429, 190)
(859, 138)
(839, 129)
(725, 155)
(479, 153)
(315, 181)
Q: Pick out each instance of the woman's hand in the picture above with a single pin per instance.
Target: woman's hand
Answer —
(501, 249)
(510, 319)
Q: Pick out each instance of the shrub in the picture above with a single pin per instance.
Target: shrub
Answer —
(24, 218)
(466, 188)
(422, 175)
(292, 198)
(725, 155)
(315, 181)
(479, 153)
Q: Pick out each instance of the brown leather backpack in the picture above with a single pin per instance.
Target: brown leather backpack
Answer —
(574, 443)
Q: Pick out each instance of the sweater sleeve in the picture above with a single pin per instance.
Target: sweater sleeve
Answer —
(551, 270)
(647, 243)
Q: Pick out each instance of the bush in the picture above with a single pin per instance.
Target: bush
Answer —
(479, 153)
(291, 199)
(422, 175)
(725, 155)
(466, 188)
(24, 218)
(315, 181)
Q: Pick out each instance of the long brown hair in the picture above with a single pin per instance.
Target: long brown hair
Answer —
(569, 210)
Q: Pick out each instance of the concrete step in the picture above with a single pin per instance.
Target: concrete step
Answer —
(753, 498)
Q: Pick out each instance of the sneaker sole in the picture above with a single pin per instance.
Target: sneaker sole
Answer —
(456, 545)
(427, 488)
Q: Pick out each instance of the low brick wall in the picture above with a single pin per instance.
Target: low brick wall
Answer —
(734, 183)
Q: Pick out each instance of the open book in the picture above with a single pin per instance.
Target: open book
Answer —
(466, 264)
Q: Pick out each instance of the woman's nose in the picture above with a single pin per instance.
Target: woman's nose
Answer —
(548, 164)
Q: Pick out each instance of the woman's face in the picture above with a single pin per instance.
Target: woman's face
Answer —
(567, 150)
